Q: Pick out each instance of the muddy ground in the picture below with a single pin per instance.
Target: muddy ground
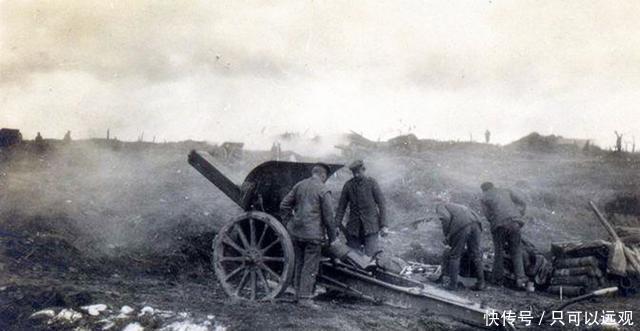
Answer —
(130, 225)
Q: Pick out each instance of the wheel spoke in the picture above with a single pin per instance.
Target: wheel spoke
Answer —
(243, 282)
(263, 279)
(269, 270)
(235, 259)
(227, 240)
(264, 232)
(242, 236)
(272, 259)
(252, 232)
(233, 273)
(254, 285)
(271, 245)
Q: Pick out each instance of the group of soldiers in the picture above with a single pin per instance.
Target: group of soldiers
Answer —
(462, 227)
(309, 216)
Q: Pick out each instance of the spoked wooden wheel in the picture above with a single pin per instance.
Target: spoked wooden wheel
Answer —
(253, 257)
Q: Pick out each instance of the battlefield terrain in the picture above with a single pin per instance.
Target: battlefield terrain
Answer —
(128, 227)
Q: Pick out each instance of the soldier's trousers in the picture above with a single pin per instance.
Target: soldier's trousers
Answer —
(307, 264)
(503, 236)
(370, 243)
(467, 238)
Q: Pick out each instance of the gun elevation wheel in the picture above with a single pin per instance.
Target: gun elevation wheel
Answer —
(253, 257)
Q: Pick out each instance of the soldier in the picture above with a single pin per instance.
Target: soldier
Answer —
(367, 212)
(67, 137)
(40, 144)
(461, 227)
(310, 201)
(487, 136)
(504, 210)
(39, 139)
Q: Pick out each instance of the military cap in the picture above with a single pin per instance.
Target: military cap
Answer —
(356, 164)
(486, 186)
(325, 166)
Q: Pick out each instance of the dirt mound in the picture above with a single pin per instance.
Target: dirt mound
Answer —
(624, 209)
(40, 243)
(537, 142)
(55, 245)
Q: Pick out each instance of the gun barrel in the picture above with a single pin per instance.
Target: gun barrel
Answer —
(199, 161)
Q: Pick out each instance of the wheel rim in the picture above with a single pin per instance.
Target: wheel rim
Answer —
(252, 257)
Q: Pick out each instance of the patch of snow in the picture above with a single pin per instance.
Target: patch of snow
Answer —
(95, 310)
(133, 327)
(165, 313)
(69, 315)
(184, 326)
(107, 324)
(44, 313)
(146, 310)
(126, 310)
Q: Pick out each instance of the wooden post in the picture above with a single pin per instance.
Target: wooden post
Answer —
(617, 262)
(605, 223)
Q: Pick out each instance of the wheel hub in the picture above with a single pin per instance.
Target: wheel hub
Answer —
(254, 255)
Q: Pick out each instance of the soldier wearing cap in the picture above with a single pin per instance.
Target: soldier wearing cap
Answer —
(312, 222)
(505, 210)
(367, 212)
(461, 228)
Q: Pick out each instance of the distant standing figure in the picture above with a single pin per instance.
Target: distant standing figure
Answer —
(504, 210)
(618, 141)
(461, 228)
(487, 136)
(40, 145)
(276, 151)
(67, 137)
(310, 202)
(367, 210)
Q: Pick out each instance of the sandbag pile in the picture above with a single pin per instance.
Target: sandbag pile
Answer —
(578, 267)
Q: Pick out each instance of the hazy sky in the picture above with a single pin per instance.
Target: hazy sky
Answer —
(246, 70)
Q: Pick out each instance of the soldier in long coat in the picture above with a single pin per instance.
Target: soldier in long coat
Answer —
(367, 210)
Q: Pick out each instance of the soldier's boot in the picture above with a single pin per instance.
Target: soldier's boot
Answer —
(496, 280)
(479, 269)
(479, 286)
(452, 285)
(454, 270)
(521, 283)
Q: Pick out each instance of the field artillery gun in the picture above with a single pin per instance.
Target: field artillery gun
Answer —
(253, 253)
